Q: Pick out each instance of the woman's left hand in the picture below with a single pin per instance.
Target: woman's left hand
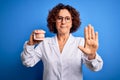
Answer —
(91, 42)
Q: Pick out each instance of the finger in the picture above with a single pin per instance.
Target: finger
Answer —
(89, 31)
(31, 42)
(92, 33)
(37, 41)
(32, 36)
(96, 36)
(39, 31)
(86, 33)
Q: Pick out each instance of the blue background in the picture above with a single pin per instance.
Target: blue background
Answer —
(18, 18)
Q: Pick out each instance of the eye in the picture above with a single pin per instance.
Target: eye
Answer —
(67, 18)
(59, 18)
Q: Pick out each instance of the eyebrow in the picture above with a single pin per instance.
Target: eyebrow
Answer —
(65, 16)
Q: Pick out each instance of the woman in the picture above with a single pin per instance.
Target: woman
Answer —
(63, 54)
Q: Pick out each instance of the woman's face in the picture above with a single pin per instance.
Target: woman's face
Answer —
(63, 22)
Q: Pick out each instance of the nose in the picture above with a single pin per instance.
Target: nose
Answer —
(63, 20)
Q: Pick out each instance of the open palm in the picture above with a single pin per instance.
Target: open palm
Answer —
(91, 41)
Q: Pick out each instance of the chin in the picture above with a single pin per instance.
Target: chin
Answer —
(63, 33)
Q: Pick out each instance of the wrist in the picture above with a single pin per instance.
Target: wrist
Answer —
(91, 56)
(30, 43)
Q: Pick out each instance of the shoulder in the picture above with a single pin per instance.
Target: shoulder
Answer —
(48, 40)
(76, 38)
(79, 40)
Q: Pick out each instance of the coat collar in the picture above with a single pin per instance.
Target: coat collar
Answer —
(55, 42)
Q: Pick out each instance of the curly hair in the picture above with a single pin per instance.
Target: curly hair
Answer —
(54, 13)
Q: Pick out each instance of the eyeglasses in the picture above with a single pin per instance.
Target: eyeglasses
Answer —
(60, 19)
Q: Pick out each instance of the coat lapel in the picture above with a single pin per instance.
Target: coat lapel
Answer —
(54, 45)
(67, 48)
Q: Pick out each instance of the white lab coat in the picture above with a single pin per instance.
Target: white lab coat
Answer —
(57, 66)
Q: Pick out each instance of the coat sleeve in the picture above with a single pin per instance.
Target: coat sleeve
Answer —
(31, 54)
(94, 64)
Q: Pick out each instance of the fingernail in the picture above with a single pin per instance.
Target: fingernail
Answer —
(89, 24)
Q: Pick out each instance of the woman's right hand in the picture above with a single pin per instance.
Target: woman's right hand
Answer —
(36, 37)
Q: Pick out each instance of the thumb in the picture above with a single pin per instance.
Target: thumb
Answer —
(81, 48)
(31, 37)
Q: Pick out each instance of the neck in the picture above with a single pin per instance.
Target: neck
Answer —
(62, 37)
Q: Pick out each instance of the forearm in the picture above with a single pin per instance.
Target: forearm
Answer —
(28, 55)
(94, 64)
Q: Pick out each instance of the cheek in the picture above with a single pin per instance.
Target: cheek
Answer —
(58, 25)
(70, 25)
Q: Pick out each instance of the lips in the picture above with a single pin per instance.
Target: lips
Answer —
(63, 26)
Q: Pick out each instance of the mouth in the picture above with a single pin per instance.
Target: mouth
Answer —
(63, 26)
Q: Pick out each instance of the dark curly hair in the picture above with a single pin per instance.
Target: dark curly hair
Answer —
(54, 13)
